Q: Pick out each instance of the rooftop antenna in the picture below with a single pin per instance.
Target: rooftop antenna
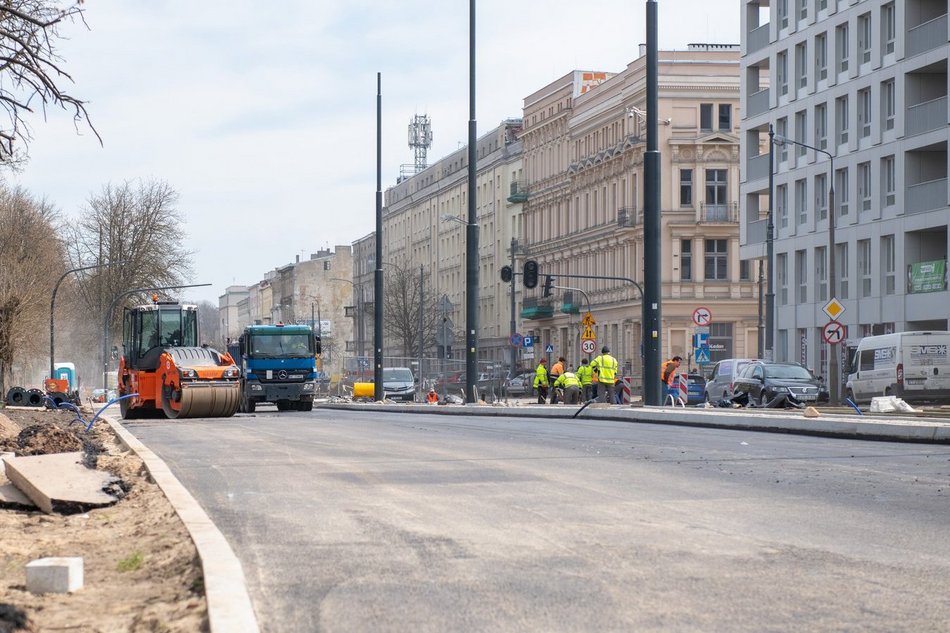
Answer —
(420, 140)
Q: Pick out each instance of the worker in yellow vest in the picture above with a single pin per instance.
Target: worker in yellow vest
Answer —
(585, 374)
(605, 366)
(571, 385)
(541, 381)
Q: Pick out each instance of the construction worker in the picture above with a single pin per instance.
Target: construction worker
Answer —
(605, 366)
(585, 374)
(667, 373)
(556, 371)
(571, 385)
(432, 397)
(541, 380)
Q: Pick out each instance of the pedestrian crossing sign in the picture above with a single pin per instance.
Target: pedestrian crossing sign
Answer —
(702, 355)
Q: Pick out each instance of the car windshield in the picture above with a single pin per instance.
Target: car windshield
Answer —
(280, 345)
(400, 374)
(790, 372)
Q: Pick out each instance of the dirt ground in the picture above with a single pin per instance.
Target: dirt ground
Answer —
(141, 569)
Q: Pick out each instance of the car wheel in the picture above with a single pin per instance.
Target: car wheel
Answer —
(706, 397)
(763, 399)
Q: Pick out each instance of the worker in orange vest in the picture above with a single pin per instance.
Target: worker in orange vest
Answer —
(556, 370)
(432, 397)
(667, 372)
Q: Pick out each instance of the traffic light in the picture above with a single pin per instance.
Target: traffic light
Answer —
(548, 285)
(530, 273)
(506, 273)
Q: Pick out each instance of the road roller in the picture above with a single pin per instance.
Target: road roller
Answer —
(173, 375)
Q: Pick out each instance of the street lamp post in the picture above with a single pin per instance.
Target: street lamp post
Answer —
(770, 254)
(513, 325)
(833, 380)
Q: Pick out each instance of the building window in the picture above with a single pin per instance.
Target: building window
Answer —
(720, 341)
(889, 105)
(842, 195)
(889, 180)
(705, 117)
(725, 117)
(781, 272)
(888, 27)
(821, 126)
(801, 196)
(781, 72)
(842, 47)
(864, 37)
(686, 187)
(864, 112)
(781, 205)
(864, 266)
(821, 196)
(801, 64)
(744, 268)
(717, 260)
(821, 273)
(781, 129)
(801, 276)
(821, 56)
(820, 5)
(864, 185)
(801, 124)
(888, 264)
(716, 191)
(782, 9)
(803, 9)
(841, 266)
(841, 119)
(686, 260)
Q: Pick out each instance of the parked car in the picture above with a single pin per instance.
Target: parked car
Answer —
(719, 385)
(521, 385)
(399, 383)
(764, 380)
(696, 388)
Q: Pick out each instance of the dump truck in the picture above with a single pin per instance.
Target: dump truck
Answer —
(278, 364)
(172, 375)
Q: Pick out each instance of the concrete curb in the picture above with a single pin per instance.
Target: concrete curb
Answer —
(229, 605)
(925, 430)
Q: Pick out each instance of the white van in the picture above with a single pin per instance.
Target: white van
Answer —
(913, 366)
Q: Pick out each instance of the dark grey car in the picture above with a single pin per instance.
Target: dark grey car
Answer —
(764, 380)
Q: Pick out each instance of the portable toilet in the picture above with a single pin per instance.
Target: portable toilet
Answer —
(67, 372)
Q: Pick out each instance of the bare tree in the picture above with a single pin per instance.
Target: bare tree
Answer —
(138, 224)
(31, 260)
(401, 310)
(31, 72)
(209, 324)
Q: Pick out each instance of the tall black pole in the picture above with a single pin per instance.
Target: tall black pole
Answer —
(834, 381)
(378, 275)
(652, 252)
(422, 374)
(513, 325)
(770, 255)
(761, 323)
(471, 229)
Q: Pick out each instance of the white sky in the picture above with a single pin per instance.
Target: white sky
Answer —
(263, 115)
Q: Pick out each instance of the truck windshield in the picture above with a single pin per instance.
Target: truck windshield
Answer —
(280, 345)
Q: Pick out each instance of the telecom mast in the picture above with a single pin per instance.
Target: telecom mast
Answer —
(420, 140)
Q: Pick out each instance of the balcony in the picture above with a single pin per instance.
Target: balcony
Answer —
(758, 39)
(535, 308)
(758, 102)
(628, 217)
(926, 37)
(755, 232)
(569, 304)
(519, 191)
(925, 117)
(757, 167)
(719, 213)
(926, 196)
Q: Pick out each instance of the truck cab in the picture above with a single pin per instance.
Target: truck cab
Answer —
(278, 364)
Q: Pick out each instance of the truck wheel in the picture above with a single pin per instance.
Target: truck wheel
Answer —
(248, 405)
(305, 406)
(283, 405)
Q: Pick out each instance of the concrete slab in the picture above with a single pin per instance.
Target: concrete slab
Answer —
(59, 482)
(57, 574)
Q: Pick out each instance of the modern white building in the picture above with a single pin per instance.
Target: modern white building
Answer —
(865, 82)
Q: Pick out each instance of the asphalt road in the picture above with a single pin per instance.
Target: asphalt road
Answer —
(345, 521)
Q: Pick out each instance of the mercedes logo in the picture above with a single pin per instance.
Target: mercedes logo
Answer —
(282, 374)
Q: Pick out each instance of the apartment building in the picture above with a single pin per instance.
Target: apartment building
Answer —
(424, 224)
(860, 90)
(584, 141)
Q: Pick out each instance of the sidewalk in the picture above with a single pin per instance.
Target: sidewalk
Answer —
(832, 423)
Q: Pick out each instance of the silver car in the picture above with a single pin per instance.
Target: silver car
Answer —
(720, 384)
(399, 383)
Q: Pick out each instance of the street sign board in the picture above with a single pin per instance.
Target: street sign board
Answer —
(529, 342)
(833, 332)
(702, 355)
(700, 339)
(588, 320)
(588, 345)
(549, 349)
(833, 309)
(588, 334)
(516, 339)
(702, 316)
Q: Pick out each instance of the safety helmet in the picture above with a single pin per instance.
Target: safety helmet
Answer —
(605, 350)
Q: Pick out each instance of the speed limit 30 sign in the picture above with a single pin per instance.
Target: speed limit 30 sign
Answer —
(588, 346)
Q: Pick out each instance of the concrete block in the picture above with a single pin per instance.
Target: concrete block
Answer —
(57, 574)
